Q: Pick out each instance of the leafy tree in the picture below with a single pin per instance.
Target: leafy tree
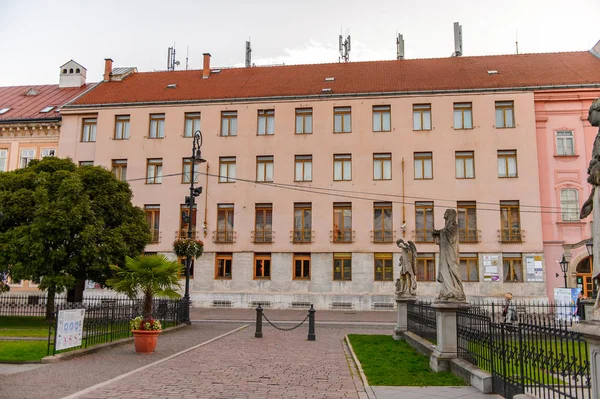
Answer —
(64, 224)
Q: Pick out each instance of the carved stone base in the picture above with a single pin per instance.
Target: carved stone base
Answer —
(402, 320)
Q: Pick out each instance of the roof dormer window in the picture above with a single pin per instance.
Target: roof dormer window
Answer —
(4, 110)
(47, 109)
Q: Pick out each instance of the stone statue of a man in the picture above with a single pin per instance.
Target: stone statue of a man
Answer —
(450, 284)
(406, 285)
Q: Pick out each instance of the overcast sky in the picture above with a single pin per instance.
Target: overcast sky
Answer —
(37, 37)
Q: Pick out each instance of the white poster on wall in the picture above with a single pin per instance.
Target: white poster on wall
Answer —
(533, 267)
(491, 268)
(69, 328)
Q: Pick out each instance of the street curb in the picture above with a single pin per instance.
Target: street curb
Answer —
(61, 357)
(108, 382)
(363, 377)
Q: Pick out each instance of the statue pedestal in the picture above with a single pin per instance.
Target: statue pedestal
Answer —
(591, 333)
(446, 347)
(402, 320)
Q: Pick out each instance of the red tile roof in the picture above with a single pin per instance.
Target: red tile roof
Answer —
(419, 75)
(23, 107)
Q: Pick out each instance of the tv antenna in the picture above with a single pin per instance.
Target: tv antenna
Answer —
(345, 48)
(248, 54)
(458, 48)
(399, 47)
(171, 63)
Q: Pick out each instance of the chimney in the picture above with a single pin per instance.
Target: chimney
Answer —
(206, 66)
(107, 68)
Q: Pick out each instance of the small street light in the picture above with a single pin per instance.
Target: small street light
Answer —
(190, 201)
(564, 267)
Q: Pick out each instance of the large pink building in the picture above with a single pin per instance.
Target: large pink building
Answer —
(314, 171)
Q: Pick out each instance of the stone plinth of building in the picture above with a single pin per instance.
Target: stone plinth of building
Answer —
(591, 333)
(402, 302)
(446, 347)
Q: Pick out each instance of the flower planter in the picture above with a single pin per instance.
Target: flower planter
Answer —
(145, 340)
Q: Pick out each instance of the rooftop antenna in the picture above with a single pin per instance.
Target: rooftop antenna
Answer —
(345, 48)
(187, 57)
(399, 47)
(517, 42)
(248, 54)
(171, 63)
(458, 48)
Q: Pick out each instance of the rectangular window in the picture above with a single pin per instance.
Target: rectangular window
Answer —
(228, 123)
(465, 164)
(3, 160)
(425, 267)
(382, 166)
(187, 171)
(421, 116)
(342, 222)
(423, 165)
(565, 142)
(48, 152)
(382, 222)
(264, 168)
(342, 267)
(121, 127)
(505, 114)
(342, 119)
(86, 163)
(226, 169)
(185, 221)
(88, 130)
(469, 267)
(467, 222)
(154, 171)
(382, 118)
(342, 167)
(384, 267)
(224, 223)
(153, 218)
(463, 115)
(157, 126)
(223, 266)
(569, 204)
(192, 123)
(301, 266)
(302, 223)
(507, 163)
(304, 120)
(510, 222)
(513, 268)
(262, 266)
(263, 223)
(423, 221)
(266, 122)
(119, 169)
(27, 155)
(303, 171)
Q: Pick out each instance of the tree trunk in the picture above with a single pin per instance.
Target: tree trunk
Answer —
(50, 303)
(147, 306)
(75, 294)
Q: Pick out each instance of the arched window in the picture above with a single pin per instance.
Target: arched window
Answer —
(65, 70)
(77, 70)
(71, 70)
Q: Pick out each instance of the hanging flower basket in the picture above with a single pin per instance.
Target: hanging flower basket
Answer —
(188, 248)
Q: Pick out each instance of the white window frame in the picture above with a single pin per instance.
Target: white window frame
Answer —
(563, 137)
(3, 159)
(569, 207)
(26, 159)
(48, 152)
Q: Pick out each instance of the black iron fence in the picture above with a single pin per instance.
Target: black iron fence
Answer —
(537, 354)
(107, 319)
(422, 320)
(548, 312)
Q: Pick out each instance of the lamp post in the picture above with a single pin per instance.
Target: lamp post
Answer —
(564, 266)
(190, 201)
(589, 245)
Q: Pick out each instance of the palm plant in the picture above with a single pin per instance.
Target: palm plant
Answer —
(152, 275)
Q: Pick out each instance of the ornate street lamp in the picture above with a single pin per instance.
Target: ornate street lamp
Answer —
(190, 201)
(564, 267)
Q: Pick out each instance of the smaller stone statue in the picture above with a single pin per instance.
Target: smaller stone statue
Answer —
(450, 284)
(406, 285)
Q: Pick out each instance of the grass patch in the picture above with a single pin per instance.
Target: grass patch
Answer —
(23, 326)
(21, 351)
(395, 363)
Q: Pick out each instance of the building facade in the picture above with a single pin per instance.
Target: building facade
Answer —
(314, 171)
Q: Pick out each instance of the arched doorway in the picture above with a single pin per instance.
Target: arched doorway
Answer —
(584, 277)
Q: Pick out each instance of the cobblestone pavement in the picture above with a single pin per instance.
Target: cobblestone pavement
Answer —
(331, 316)
(280, 365)
(64, 378)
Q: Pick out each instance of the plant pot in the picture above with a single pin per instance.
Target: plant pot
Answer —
(145, 340)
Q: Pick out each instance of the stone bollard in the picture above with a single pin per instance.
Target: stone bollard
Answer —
(259, 317)
(311, 323)
(402, 303)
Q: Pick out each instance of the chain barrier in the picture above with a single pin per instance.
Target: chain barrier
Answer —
(282, 328)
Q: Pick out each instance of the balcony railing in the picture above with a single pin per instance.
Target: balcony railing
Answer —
(423, 235)
(183, 233)
(301, 236)
(262, 236)
(380, 236)
(469, 236)
(155, 236)
(342, 235)
(511, 236)
(224, 236)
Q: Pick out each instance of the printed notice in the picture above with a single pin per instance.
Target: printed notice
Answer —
(69, 328)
